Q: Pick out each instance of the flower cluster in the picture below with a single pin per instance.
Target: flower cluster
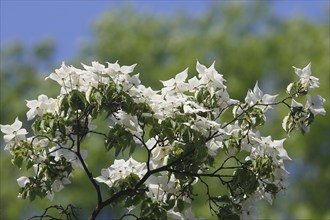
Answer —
(300, 116)
(182, 128)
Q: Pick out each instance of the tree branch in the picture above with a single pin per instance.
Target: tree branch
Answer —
(89, 174)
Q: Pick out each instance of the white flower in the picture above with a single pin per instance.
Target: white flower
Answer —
(160, 155)
(161, 186)
(280, 175)
(177, 84)
(306, 80)
(258, 97)
(13, 131)
(22, 181)
(202, 124)
(127, 69)
(192, 107)
(194, 83)
(63, 76)
(114, 69)
(38, 154)
(129, 122)
(128, 82)
(50, 195)
(295, 104)
(249, 208)
(105, 177)
(57, 186)
(121, 169)
(213, 145)
(60, 74)
(40, 106)
(96, 67)
(70, 156)
(209, 76)
(268, 147)
(277, 145)
(315, 104)
(186, 215)
(69, 78)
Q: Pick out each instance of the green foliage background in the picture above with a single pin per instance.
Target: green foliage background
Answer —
(247, 42)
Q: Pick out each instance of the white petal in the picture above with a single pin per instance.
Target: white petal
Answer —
(298, 71)
(315, 104)
(31, 114)
(135, 80)
(66, 181)
(22, 181)
(257, 91)
(127, 69)
(31, 103)
(21, 134)
(168, 83)
(250, 98)
(200, 68)
(57, 186)
(17, 125)
(267, 99)
(283, 154)
(151, 143)
(114, 66)
(105, 173)
(50, 195)
(187, 109)
(193, 83)
(6, 129)
(97, 66)
(100, 179)
(294, 103)
(307, 69)
(83, 154)
(8, 137)
(181, 77)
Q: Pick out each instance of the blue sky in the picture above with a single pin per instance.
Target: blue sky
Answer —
(69, 23)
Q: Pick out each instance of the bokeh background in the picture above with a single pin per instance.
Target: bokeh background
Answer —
(249, 40)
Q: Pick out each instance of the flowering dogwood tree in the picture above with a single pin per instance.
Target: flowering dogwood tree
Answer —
(182, 129)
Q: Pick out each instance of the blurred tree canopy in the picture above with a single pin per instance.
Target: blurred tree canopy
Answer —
(247, 42)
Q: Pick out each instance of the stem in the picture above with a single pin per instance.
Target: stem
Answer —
(260, 104)
(89, 174)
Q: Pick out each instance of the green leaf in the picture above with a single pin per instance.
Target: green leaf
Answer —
(181, 205)
(146, 207)
(29, 164)
(32, 195)
(224, 199)
(98, 97)
(199, 96)
(18, 161)
(170, 204)
(132, 149)
(272, 188)
(24, 193)
(152, 132)
(244, 182)
(226, 213)
(77, 100)
(118, 149)
(132, 180)
(64, 104)
(61, 127)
